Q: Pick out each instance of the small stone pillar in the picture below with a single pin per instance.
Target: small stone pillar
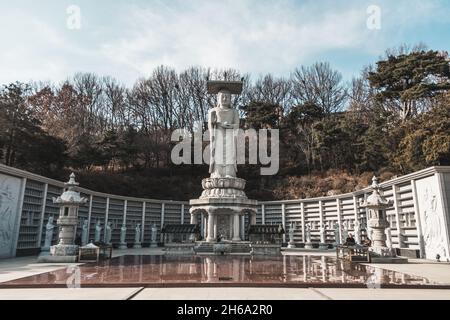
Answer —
(123, 234)
(323, 237)
(308, 244)
(154, 231)
(291, 243)
(137, 237)
(69, 202)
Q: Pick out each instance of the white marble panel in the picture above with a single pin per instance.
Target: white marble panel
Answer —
(9, 204)
(432, 218)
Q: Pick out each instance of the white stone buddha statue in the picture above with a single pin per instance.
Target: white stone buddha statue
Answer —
(223, 122)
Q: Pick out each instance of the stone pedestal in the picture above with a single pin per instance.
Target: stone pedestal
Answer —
(123, 246)
(137, 246)
(60, 253)
(291, 245)
(309, 245)
(223, 203)
(323, 246)
(64, 250)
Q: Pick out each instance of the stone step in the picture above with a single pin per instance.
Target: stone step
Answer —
(204, 247)
(240, 247)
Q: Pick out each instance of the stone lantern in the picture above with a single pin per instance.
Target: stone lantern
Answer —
(69, 203)
(376, 205)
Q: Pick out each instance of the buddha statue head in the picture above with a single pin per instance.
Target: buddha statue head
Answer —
(224, 99)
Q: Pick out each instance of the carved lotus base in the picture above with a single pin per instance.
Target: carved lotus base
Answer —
(223, 188)
(223, 183)
(223, 193)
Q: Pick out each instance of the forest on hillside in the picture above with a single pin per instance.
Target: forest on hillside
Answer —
(391, 120)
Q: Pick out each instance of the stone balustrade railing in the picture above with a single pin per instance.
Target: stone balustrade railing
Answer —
(419, 218)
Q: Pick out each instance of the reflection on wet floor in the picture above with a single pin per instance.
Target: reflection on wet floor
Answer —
(157, 270)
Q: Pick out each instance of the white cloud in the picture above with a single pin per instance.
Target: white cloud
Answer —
(34, 50)
(252, 36)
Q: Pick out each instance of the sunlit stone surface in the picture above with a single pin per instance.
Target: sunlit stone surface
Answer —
(278, 271)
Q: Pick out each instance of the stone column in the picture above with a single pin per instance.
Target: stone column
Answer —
(202, 225)
(397, 216)
(242, 227)
(210, 234)
(253, 218)
(263, 214)
(283, 220)
(214, 219)
(193, 221)
(205, 226)
(236, 236)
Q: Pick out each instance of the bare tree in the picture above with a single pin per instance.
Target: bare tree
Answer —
(193, 97)
(114, 100)
(321, 85)
(275, 91)
(89, 87)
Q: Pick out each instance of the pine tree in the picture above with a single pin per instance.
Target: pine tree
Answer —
(405, 81)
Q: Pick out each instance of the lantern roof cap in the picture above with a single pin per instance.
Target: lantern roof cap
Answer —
(376, 199)
(70, 196)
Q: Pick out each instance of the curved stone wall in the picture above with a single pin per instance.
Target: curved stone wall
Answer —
(419, 219)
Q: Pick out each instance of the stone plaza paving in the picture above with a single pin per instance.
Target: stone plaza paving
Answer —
(416, 272)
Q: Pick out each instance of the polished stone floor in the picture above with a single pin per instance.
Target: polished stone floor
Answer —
(223, 271)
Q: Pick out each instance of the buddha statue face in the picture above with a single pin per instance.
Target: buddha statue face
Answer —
(224, 99)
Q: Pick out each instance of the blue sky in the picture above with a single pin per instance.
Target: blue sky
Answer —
(128, 39)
